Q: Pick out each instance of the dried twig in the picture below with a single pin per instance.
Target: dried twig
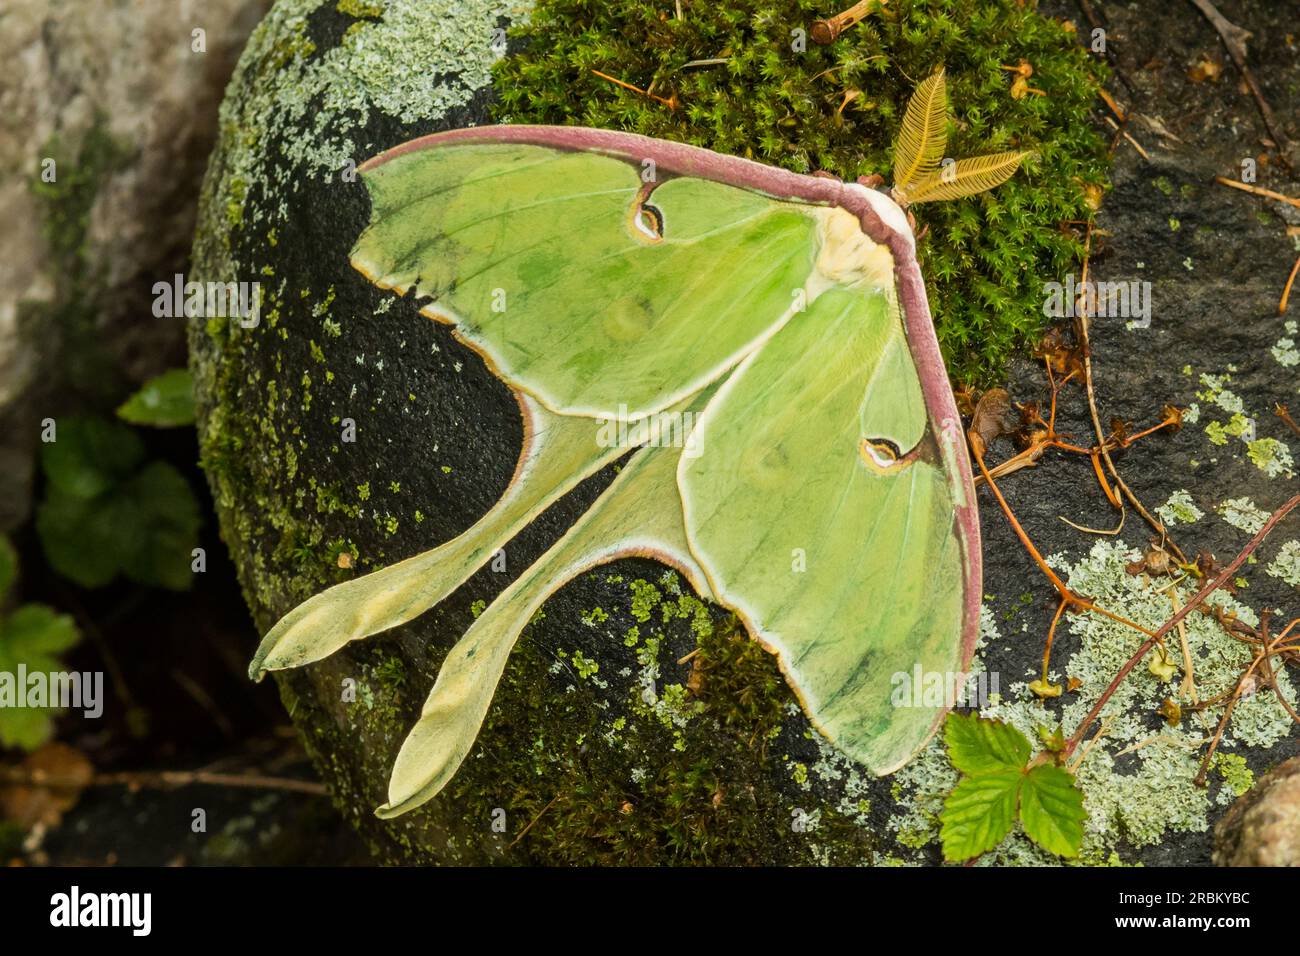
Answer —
(159, 780)
(1257, 190)
(1096, 418)
(1234, 38)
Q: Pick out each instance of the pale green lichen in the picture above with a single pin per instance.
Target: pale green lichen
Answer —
(1286, 566)
(1180, 509)
(1238, 426)
(1138, 780)
(1285, 351)
(1243, 514)
(1271, 456)
(585, 666)
(1234, 772)
(1217, 393)
(332, 96)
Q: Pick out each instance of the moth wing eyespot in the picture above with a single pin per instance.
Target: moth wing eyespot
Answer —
(648, 222)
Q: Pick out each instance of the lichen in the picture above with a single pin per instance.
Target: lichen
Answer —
(1138, 779)
(1286, 566)
(1271, 456)
(1179, 509)
(1243, 514)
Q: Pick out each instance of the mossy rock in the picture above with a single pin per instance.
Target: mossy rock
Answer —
(607, 741)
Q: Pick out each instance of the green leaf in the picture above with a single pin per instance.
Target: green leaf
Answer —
(81, 536)
(978, 813)
(978, 745)
(124, 519)
(34, 636)
(89, 455)
(1051, 809)
(8, 566)
(165, 401)
(169, 527)
(34, 632)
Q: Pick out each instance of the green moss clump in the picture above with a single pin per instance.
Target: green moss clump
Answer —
(838, 109)
(682, 777)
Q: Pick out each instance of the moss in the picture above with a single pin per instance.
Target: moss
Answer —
(66, 202)
(682, 780)
(985, 259)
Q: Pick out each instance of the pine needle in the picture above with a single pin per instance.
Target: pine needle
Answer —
(966, 177)
(924, 133)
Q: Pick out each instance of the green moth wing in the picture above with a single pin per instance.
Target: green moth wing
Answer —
(839, 553)
(820, 488)
(557, 454)
(539, 259)
(636, 516)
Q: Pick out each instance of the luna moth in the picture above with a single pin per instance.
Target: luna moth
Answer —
(773, 325)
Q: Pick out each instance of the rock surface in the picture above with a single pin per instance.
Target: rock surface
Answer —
(715, 764)
(117, 98)
(1263, 827)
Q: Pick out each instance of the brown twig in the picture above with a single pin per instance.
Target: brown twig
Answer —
(1067, 595)
(1257, 190)
(159, 779)
(530, 823)
(1096, 417)
(827, 31)
(1282, 412)
(1286, 290)
(671, 102)
(1234, 38)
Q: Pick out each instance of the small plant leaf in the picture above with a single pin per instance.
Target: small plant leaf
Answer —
(108, 511)
(979, 745)
(34, 636)
(165, 401)
(923, 135)
(978, 813)
(966, 177)
(1051, 809)
(89, 456)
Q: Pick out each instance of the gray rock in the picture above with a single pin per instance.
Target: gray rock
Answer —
(1263, 827)
(117, 98)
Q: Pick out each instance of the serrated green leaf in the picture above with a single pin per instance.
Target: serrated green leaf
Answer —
(8, 566)
(978, 813)
(35, 631)
(165, 401)
(1051, 809)
(143, 524)
(169, 524)
(80, 536)
(979, 745)
(89, 455)
(33, 636)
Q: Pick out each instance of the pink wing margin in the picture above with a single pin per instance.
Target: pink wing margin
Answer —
(874, 212)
